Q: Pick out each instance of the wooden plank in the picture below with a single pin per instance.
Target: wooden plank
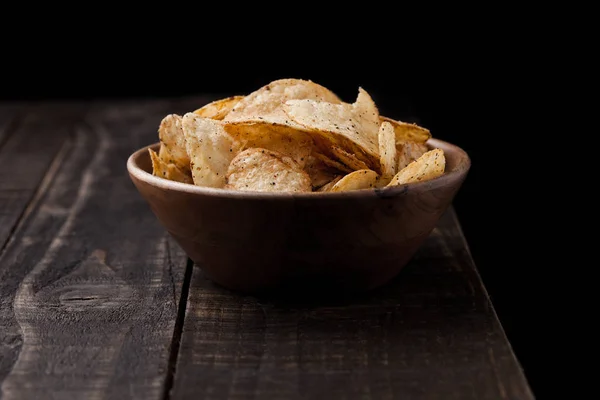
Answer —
(430, 334)
(90, 285)
(8, 117)
(30, 140)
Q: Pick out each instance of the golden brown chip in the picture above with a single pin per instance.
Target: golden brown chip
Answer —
(409, 152)
(211, 150)
(366, 111)
(383, 181)
(348, 159)
(320, 173)
(172, 142)
(218, 109)
(293, 135)
(408, 132)
(327, 187)
(332, 163)
(351, 127)
(429, 166)
(387, 149)
(266, 171)
(357, 180)
(167, 171)
(280, 138)
(266, 102)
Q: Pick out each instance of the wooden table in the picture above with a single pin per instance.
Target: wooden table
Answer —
(97, 302)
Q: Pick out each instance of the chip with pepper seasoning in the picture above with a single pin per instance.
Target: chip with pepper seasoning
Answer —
(429, 166)
(266, 171)
(294, 135)
(361, 179)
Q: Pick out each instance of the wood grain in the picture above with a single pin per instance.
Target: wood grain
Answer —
(9, 115)
(30, 139)
(431, 334)
(90, 283)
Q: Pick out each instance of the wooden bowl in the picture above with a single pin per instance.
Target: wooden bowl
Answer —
(341, 242)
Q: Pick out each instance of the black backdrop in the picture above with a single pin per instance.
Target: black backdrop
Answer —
(463, 95)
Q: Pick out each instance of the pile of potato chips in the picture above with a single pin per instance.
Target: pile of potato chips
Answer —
(293, 135)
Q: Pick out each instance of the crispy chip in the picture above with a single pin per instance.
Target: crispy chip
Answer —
(383, 181)
(280, 138)
(172, 142)
(357, 180)
(409, 152)
(211, 150)
(387, 149)
(408, 132)
(218, 109)
(266, 171)
(364, 107)
(348, 159)
(327, 187)
(320, 173)
(293, 135)
(351, 127)
(266, 102)
(429, 166)
(167, 171)
(332, 163)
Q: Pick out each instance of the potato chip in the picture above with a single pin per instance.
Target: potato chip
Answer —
(280, 138)
(366, 110)
(383, 181)
(262, 170)
(265, 103)
(350, 127)
(168, 171)
(387, 149)
(211, 150)
(218, 109)
(327, 187)
(319, 172)
(429, 166)
(409, 152)
(294, 135)
(332, 163)
(408, 132)
(357, 180)
(348, 159)
(172, 142)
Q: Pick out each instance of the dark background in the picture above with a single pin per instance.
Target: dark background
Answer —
(468, 92)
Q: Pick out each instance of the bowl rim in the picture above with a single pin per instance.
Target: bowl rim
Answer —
(458, 172)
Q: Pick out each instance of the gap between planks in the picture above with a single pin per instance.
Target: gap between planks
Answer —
(178, 330)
